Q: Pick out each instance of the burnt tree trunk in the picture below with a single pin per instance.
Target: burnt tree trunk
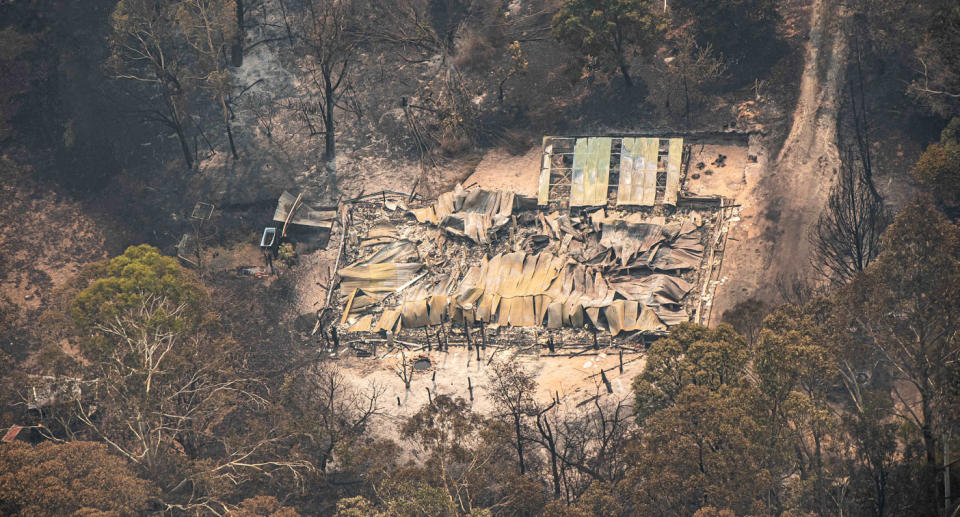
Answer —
(329, 101)
(236, 51)
(516, 422)
(177, 125)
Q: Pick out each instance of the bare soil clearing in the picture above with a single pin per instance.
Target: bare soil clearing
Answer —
(46, 240)
(575, 379)
(726, 178)
(500, 170)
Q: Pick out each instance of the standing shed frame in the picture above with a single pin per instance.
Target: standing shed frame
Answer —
(621, 170)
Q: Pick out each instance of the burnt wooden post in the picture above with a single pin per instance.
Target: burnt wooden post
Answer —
(550, 345)
(335, 337)
(470, 388)
(596, 346)
(445, 345)
(621, 361)
(398, 401)
(466, 332)
(483, 336)
(606, 381)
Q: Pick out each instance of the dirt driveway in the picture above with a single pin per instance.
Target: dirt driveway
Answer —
(786, 194)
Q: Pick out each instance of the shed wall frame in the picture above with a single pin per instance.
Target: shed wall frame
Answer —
(571, 166)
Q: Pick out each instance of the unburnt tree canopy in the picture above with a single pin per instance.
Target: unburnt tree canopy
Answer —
(691, 355)
(908, 306)
(75, 478)
(938, 168)
(701, 451)
(698, 441)
(612, 31)
(166, 377)
(140, 286)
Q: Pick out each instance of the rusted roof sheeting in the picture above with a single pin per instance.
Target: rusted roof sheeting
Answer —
(11, 433)
(674, 157)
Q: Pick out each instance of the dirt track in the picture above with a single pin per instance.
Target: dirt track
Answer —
(785, 196)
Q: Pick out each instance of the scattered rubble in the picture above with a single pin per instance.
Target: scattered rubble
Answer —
(496, 268)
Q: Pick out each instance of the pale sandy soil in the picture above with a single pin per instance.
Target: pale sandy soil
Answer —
(728, 181)
(46, 239)
(500, 170)
(576, 379)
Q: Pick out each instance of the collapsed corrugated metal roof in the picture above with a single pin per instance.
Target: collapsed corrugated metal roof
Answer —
(476, 214)
(544, 280)
(659, 247)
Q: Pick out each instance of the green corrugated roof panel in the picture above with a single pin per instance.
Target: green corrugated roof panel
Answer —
(631, 172)
(590, 172)
(674, 157)
(598, 180)
(580, 156)
(650, 147)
